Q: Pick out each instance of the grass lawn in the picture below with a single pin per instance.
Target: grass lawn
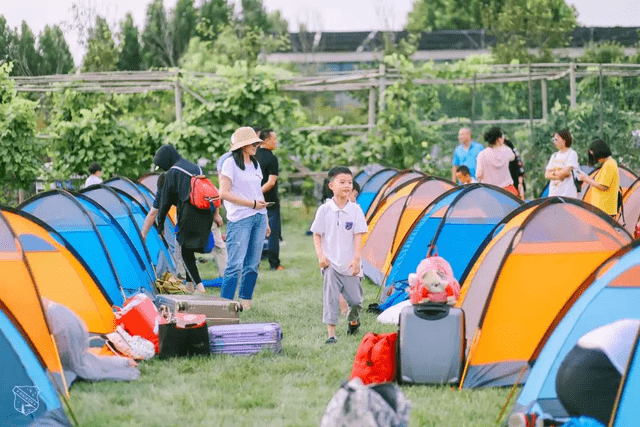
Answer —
(287, 389)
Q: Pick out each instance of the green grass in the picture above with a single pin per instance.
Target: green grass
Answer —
(287, 389)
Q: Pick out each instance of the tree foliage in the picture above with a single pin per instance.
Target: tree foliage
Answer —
(157, 38)
(213, 15)
(183, 19)
(130, 56)
(432, 15)
(101, 54)
(26, 58)
(54, 51)
(8, 40)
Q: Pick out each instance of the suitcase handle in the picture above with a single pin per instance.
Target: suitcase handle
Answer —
(431, 311)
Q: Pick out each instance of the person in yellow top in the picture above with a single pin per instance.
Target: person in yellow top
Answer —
(606, 182)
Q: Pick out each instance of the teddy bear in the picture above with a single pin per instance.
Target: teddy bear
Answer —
(433, 281)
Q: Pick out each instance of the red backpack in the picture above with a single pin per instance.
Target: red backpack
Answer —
(203, 192)
(375, 360)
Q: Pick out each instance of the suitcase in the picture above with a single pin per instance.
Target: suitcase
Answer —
(431, 344)
(247, 338)
(219, 311)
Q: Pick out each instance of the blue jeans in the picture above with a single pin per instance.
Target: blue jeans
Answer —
(245, 239)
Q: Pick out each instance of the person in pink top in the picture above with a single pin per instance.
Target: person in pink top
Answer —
(492, 165)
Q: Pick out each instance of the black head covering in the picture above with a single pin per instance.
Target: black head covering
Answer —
(166, 156)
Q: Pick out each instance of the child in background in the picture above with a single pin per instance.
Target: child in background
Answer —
(464, 176)
(355, 193)
(337, 236)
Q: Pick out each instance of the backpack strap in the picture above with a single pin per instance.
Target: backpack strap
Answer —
(190, 174)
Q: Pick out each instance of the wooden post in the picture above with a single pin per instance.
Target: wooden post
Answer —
(601, 103)
(382, 87)
(545, 102)
(20, 195)
(530, 101)
(178, 98)
(372, 108)
(572, 83)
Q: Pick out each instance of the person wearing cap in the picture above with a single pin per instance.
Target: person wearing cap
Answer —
(95, 171)
(247, 225)
(194, 224)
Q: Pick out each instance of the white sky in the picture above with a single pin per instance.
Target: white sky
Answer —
(325, 15)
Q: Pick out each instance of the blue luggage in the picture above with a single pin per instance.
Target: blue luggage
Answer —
(245, 338)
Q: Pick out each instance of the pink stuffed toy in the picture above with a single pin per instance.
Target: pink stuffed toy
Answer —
(433, 281)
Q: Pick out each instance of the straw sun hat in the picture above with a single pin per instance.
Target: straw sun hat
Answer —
(243, 136)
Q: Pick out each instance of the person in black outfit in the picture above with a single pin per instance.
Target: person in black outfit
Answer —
(194, 224)
(269, 165)
(516, 170)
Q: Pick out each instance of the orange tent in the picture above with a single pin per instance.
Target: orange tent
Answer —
(627, 178)
(523, 277)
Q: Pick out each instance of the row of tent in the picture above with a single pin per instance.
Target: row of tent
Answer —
(85, 251)
(535, 276)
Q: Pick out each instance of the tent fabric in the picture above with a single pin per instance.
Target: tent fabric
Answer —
(523, 278)
(150, 181)
(386, 223)
(369, 190)
(130, 187)
(97, 238)
(393, 183)
(366, 173)
(453, 227)
(23, 370)
(627, 178)
(625, 412)
(106, 197)
(609, 294)
(20, 296)
(169, 222)
(59, 275)
(631, 206)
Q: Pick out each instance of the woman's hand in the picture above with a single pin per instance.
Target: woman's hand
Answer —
(217, 219)
(268, 229)
(259, 204)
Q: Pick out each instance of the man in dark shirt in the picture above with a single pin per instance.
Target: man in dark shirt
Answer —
(269, 165)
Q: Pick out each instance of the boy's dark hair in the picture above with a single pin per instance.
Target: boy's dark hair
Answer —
(356, 186)
(339, 170)
(566, 135)
(94, 167)
(464, 170)
(600, 149)
(265, 134)
(492, 135)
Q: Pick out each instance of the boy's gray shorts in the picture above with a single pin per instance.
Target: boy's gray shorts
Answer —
(335, 284)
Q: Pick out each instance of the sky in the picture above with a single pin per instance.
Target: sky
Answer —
(323, 15)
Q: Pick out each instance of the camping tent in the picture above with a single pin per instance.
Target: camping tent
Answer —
(453, 226)
(97, 238)
(631, 206)
(384, 224)
(20, 296)
(169, 221)
(627, 177)
(609, 294)
(150, 181)
(522, 278)
(27, 392)
(369, 190)
(625, 411)
(130, 187)
(393, 183)
(59, 274)
(367, 172)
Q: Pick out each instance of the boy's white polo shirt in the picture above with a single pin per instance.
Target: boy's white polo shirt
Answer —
(338, 228)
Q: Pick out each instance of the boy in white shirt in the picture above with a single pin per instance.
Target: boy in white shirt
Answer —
(337, 236)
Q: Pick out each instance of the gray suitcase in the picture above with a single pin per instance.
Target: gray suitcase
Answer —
(431, 344)
(219, 311)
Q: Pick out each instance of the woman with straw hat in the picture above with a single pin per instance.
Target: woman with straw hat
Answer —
(247, 225)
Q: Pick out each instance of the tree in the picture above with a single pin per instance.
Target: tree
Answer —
(8, 40)
(54, 50)
(130, 56)
(26, 58)
(157, 38)
(102, 54)
(254, 16)
(523, 24)
(184, 26)
(214, 15)
(432, 15)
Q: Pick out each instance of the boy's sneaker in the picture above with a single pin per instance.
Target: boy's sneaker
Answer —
(331, 340)
(353, 329)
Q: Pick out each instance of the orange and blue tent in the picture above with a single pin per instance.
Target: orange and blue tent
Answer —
(625, 409)
(370, 188)
(150, 181)
(631, 206)
(394, 182)
(538, 256)
(610, 293)
(627, 178)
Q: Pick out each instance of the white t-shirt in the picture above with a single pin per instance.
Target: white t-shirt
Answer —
(615, 340)
(338, 228)
(244, 183)
(559, 160)
(92, 180)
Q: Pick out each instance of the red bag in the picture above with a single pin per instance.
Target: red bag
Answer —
(139, 316)
(203, 192)
(636, 232)
(375, 360)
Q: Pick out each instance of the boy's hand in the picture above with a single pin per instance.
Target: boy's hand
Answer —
(323, 261)
(355, 265)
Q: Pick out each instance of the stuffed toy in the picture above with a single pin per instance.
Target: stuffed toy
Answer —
(433, 281)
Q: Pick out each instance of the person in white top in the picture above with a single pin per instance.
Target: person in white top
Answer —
(247, 226)
(562, 166)
(589, 376)
(493, 162)
(337, 236)
(94, 178)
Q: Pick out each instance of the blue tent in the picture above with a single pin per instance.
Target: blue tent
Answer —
(27, 392)
(150, 181)
(97, 238)
(131, 188)
(366, 173)
(453, 226)
(107, 197)
(625, 413)
(611, 293)
(369, 190)
(168, 234)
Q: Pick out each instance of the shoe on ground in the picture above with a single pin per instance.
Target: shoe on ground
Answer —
(353, 329)
(519, 419)
(331, 340)
(278, 268)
